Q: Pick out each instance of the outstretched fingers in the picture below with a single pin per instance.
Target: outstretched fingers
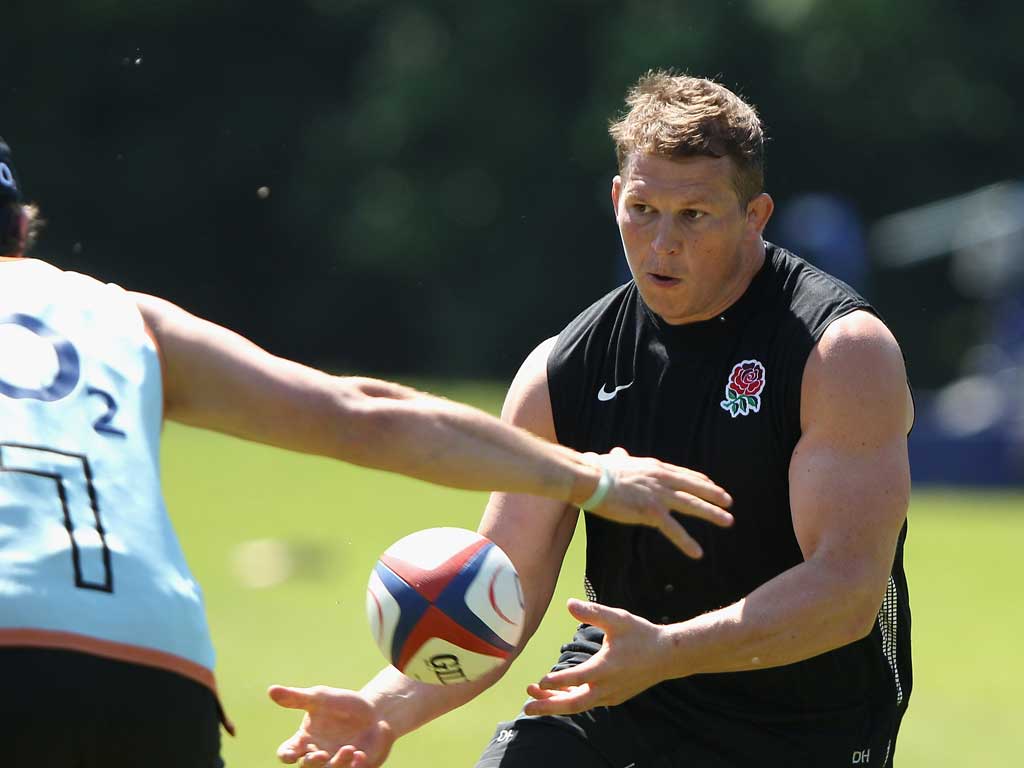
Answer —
(316, 758)
(692, 506)
(561, 702)
(673, 530)
(291, 698)
(697, 485)
(346, 757)
(648, 491)
(563, 680)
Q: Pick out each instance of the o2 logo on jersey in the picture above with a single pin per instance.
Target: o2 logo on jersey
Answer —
(6, 177)
(33, 358)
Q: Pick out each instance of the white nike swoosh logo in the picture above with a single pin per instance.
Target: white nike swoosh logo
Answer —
(604, 396)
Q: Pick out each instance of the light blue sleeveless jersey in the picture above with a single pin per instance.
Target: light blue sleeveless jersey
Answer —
(89, 560)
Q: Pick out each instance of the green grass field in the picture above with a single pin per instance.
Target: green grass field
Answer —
(963, 561)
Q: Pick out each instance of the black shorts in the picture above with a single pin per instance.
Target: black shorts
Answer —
(539, 743)
(660, 728)
(610, 741)
(567, 742)
(65, 709)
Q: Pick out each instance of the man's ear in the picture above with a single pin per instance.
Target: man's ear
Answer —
(759, 210)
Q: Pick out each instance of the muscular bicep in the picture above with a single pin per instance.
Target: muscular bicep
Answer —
(535, 532)
(849, 474)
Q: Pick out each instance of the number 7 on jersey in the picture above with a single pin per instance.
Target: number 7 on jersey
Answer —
(62, 482)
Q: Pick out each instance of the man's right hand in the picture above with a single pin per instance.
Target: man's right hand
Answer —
(647, 491)
(340, 728)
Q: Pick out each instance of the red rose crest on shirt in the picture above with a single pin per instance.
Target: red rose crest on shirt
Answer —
(743, 392)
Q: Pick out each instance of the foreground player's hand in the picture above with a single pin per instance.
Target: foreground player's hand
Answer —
(629, 662)
(340, 728)
(647, 491)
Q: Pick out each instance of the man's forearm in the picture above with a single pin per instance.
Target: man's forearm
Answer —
(407, 704)
(455, 445)
(812, 608)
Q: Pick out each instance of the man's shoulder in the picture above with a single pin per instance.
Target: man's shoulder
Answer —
(580, 353)
(808, 296)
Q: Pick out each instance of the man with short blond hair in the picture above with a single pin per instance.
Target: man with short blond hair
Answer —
(681, 116)
(787, 643)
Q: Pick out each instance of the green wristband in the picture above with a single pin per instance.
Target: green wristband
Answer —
(603, 486)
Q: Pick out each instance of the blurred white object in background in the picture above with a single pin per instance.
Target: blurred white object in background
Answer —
(982, 230)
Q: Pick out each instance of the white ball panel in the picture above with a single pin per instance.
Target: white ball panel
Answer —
(440, 662)
(383, 612)
(496, 597)
(429, 548)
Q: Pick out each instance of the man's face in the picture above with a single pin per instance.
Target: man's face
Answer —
(691, 246)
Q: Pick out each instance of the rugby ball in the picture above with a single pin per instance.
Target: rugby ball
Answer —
(445, 605)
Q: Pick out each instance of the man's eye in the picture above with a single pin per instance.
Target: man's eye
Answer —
(693, 214)
(641, 208)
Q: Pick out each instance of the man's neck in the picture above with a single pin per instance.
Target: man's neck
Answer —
(751, 265)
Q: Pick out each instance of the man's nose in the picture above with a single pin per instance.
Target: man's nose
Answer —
(666, 238)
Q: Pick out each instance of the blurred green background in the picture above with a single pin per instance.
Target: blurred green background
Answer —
(436, 172)
(420, 188)
(290, 608)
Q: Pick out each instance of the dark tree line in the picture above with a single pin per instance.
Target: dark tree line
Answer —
(423, 187)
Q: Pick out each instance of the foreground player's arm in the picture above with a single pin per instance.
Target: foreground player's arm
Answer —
(216, 379)
(534, 532)
(849, 487)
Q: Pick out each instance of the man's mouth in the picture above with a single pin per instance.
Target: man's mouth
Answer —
(660, 279)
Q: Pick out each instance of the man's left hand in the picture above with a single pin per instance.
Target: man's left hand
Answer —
(628, 663)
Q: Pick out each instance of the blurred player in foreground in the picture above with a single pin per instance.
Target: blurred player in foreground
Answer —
(787, 644)
(105, 654)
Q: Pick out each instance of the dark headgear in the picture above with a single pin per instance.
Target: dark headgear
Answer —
(10, 191)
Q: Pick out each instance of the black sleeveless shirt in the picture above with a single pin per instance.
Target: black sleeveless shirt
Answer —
(723, 397)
